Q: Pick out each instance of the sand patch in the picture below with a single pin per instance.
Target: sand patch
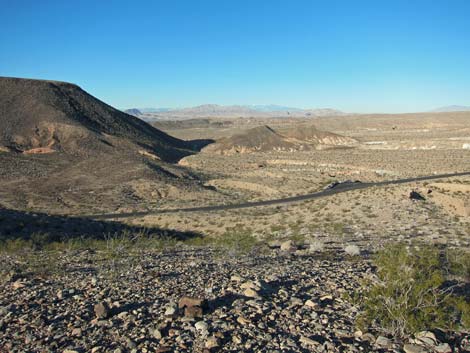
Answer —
(148, 190)
(452, 205)
(451, 187)
(150, 155)
(39, 150)
(457, 204)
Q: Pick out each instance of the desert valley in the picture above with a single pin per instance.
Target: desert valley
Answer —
(125, 233)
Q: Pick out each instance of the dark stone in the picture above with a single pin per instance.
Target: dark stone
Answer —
(414, 195)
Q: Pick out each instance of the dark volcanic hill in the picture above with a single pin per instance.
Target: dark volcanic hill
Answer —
(265, 139)
(258, 139)
(64, 151)
(47, 116)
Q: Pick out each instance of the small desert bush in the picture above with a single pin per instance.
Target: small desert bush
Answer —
(235, 242)
(459, 264)
(30, 257)
(411, 292)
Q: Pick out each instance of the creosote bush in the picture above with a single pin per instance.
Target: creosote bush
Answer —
(411, 292)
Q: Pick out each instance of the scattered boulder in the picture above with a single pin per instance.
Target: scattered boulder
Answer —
(202, 327)
(252, 289)
(352, 250)
(212, 342)
(243, 321)
(382, 341)
(310, 303)
(288, 246)
(414, 195)
(171, 310)
(77, 332)
(443, 348)
(308, 341)
(193, 307)
(316, 246)
(250, 293)
(157, 334)
(414, 348)
(193, 312)
(102, 310)
(274, 244)
(190, 301)
(426, 341)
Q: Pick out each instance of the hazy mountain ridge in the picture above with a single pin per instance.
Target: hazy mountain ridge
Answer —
(133, 111)
(237, 111)
(452, 108)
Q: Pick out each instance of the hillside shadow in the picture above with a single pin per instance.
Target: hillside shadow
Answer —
(174, 156)
(198, 145)
(15, 224)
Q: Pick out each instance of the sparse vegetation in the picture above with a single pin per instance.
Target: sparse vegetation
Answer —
(411, 293)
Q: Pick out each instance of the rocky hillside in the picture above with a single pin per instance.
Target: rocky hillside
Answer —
(63, 150)
(310, 134)
(47, 116)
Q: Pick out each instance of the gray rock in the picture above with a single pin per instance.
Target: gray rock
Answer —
(382, 341)
(212, 342)
(352, 250)
(307, 341)
(443, 348)
(288, 246)
(250, 293)
(414, 348)
(157, 334)
(101, 310)
(202, 327)
(171, 310)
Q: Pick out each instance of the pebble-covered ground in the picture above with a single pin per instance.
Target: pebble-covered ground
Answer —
(193, 300)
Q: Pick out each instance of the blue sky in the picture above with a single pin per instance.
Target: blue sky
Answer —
(354, 55)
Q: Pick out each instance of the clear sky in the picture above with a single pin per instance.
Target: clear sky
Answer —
(353, 55)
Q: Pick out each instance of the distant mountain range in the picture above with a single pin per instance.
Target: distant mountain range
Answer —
(133, 111)
(154, 110)
(452, 108)
(232, 111)
(272, 108)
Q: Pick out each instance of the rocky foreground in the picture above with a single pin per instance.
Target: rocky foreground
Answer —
(194, 300)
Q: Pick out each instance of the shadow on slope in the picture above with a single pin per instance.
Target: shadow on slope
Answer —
(26, 226)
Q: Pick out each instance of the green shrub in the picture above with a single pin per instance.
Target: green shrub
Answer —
(240, 242)
(459, 264)
(410, 293)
